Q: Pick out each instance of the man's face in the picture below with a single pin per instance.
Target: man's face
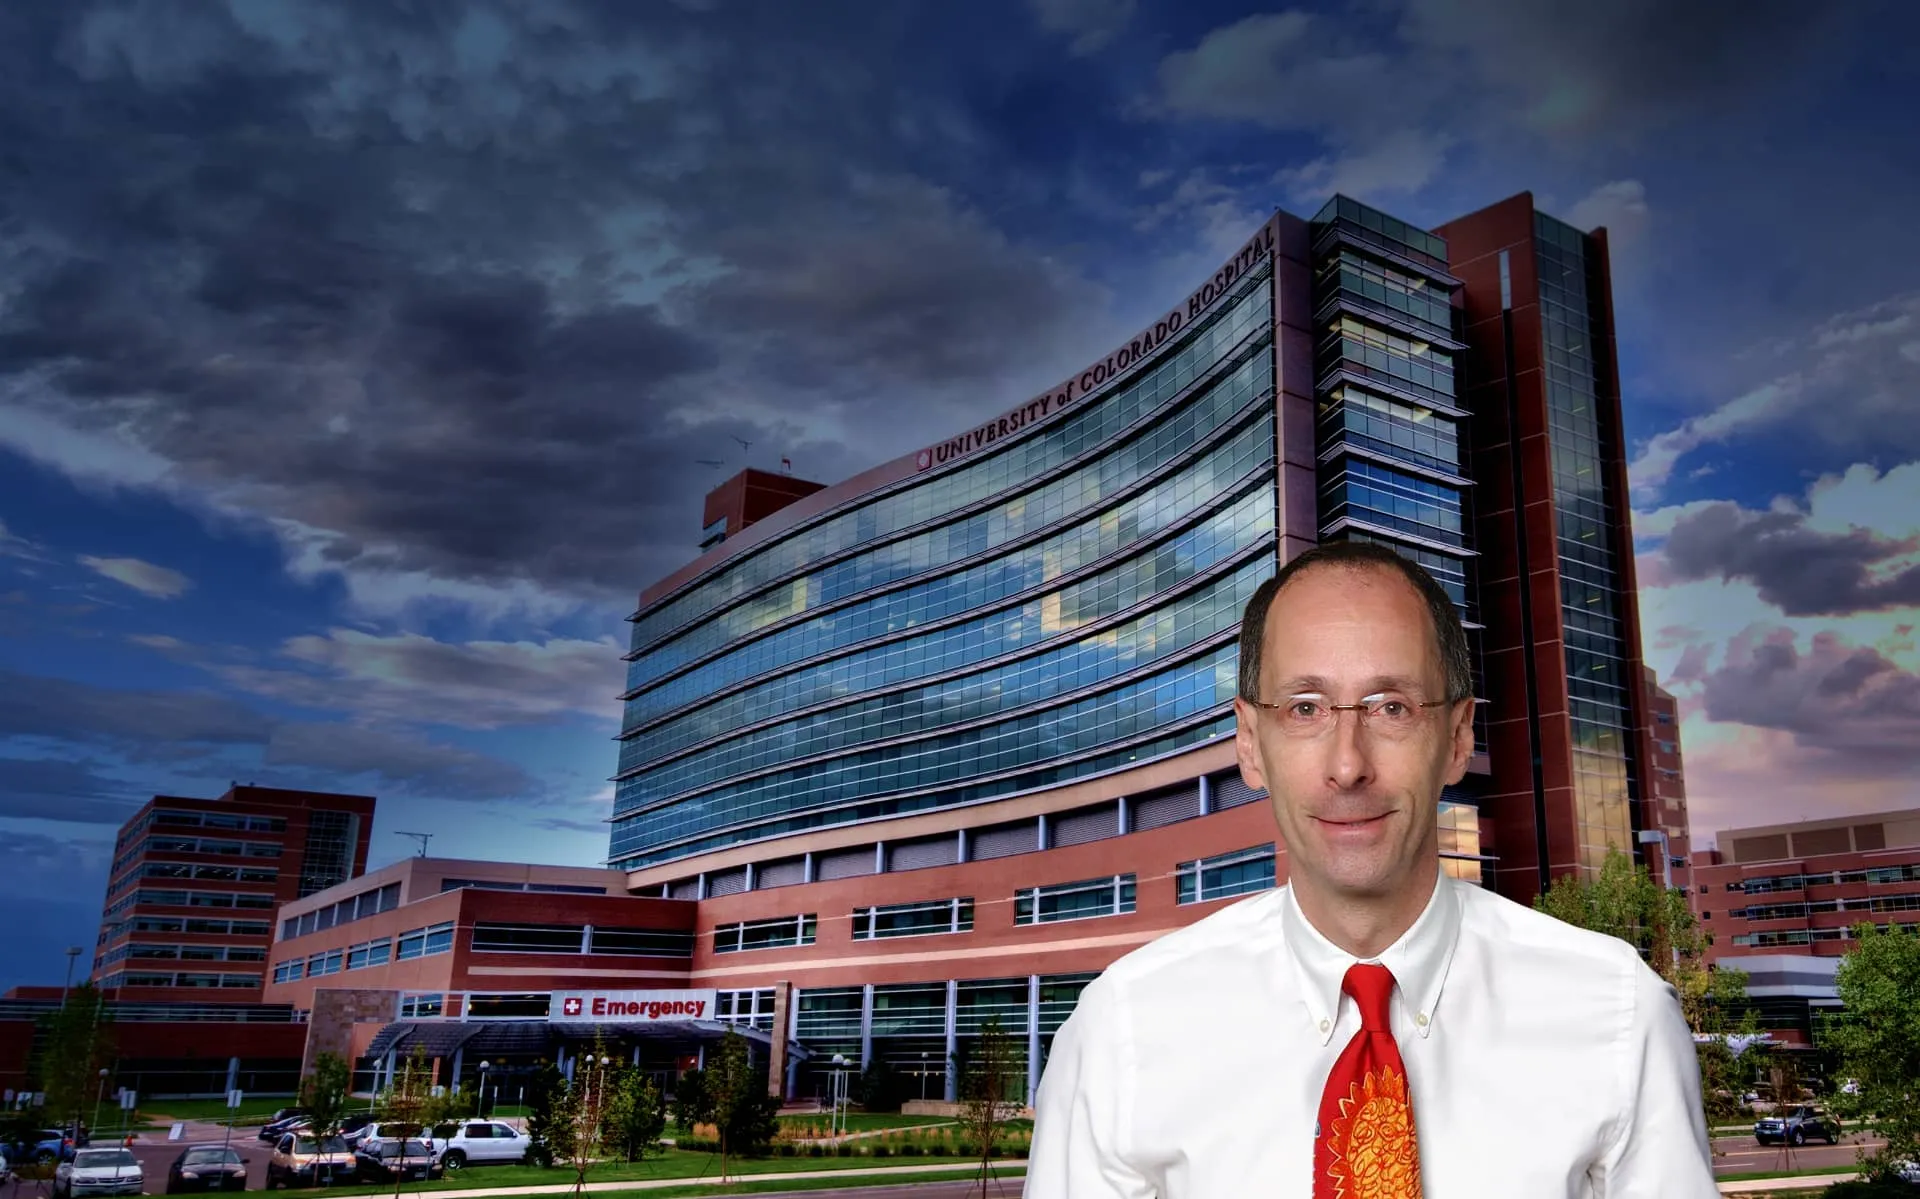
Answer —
(1357, 808)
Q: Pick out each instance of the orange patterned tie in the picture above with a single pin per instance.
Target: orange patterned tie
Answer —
(1364, 1145)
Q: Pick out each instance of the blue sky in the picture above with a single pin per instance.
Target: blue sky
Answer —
(358, 361)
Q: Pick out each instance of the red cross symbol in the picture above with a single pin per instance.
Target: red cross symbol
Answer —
(570, 1007)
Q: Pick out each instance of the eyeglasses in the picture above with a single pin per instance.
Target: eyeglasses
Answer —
(1388, 715)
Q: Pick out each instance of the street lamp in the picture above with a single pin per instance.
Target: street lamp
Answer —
(73, 952)
(841, 1067)
(482, 1106)
(1652, 836)
(923, 1074)
(99, 1095)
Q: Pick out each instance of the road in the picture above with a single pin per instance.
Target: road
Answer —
(1733, 1155)
(1741, 1155)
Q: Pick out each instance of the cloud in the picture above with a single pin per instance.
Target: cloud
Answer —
(1843, 700)
(1399, 163)
(1620, 206)
(1091, 24)
(1289, 70)
(411, 678)
(391, 763)
(66, 710)
(1845, 385)
(65, 791)
(1801, 570)
(157, 582)
(258, 293)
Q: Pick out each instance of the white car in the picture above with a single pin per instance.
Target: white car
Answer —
(477, 1142)
(99, 1172)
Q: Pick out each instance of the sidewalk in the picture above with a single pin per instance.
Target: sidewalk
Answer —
(1804, 1182)
(656, 1184)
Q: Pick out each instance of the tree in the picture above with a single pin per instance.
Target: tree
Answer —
(1623, 900)
(76, 1043)
(543, 1090)
(737, 1102)
(577, 1121)
(882, 1088)
(987, 1083)
(407, 1108)
(1878, 1041)
(324, 1094)
(636, 1113)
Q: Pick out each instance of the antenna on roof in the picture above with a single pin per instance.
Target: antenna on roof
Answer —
(422, 838)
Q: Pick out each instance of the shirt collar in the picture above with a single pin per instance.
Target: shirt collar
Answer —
(1419, 959)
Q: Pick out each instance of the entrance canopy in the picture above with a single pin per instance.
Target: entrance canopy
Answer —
(497, 1038)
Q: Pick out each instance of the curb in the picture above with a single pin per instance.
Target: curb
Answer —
(1754, 1186)
(659, 1184)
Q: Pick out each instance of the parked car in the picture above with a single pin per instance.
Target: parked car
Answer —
(299, 1160)
(207, 1168)
(395, 1158)
(288, 1113)
(50, 1145)
(477, 1142)
(99, 1172)
(272, 1133)
(1795, 1124)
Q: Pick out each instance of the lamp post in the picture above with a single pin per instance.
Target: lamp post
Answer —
(1658, 836)
(73, 952)
(481, 1107)
(99, 1095)
(923, 1074)
(840, 1068)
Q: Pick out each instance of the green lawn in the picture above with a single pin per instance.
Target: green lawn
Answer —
(675, 1163)
(251, 1111)
(761, 1185)
(1753, 1175)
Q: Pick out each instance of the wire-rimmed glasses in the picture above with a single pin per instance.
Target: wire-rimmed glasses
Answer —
(1389, 715)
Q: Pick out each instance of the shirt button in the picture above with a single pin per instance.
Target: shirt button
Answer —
(1325, 1025)
(1421, 1019)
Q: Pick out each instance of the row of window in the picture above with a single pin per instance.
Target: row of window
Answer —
(214, 873)
(1391, 427)
(1376, 227)
(1071, 497)
(1150, 638)
(185, 953)
(353, 907)
(191, 899)
(1153, 570)
(1909, 902)
(414, 943)
(629, 851)
(1827, 878)
(1801, 936)
(1388, 499)
(581, 938)
(1166, 505)
(1399, 291)
(148, 978)
(184, 924)
(1132, 710)
(172, 843)
(830, 1019)
(1076, 434)
(1387, 359)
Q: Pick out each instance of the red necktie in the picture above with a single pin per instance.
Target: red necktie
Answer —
(1364, 1145)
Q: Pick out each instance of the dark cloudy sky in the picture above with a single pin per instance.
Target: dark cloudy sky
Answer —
(359, 360)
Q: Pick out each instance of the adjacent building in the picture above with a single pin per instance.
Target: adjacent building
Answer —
(1781, 900)
(195, 883)
(1667, 811)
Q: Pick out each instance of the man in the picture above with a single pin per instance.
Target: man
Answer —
(1375, 1029)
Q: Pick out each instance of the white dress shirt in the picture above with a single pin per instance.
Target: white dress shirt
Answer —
(1544, 1060)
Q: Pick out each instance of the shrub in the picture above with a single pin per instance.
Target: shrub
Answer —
(909, 1150)
(815, 1150)
(843, 1149)
(883, 1150)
